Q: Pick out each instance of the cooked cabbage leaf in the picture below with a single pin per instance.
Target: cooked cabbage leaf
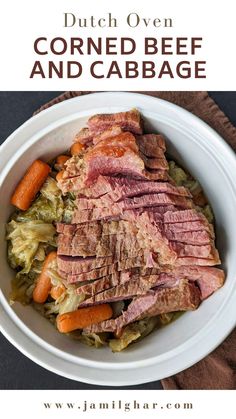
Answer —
(27, 241)
(93, 339)
(132, 332)
(69, 300)
(207, 211)
(182, 178)
(48, 207)
(177, 174)
(69, 207)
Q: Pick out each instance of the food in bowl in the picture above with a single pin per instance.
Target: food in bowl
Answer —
(112, 240)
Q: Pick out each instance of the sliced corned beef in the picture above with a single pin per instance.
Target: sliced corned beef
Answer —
(148, 200)
(183, 297)
(151, 145)
(104, 283)
(119, 188)
(152, 237)
(189, 226)
(183, 216)
(108, 247)
(189, 237)
(77, 265)
(71, 269)
(122, 291)
(189, 260)
(128, 121)
(185, 250)
(109, 133)
(84, 136)
(118, 155)
(81, 215)
(134, 232)
(94, 228)
(209, 279)
(155, 163)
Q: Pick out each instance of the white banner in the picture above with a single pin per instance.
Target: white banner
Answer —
(105, 45)
(117, 404)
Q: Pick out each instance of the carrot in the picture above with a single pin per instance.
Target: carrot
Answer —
(57, 291)
(59, 175)
(83, 317)
(30, 184)
(76, 149)
(43, 285)
(61, 160)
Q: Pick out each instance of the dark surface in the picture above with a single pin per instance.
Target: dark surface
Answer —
(17, 371)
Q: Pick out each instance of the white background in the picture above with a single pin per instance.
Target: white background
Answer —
(30, 404)
(23, 21)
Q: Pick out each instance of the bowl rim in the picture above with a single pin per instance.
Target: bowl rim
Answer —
(51, 114)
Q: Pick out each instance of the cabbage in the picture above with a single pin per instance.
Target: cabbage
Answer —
(132, 332)
(207, 211)
(166, 318)
(69, 300)
(181, 178)
(69, 207)
(177, 174)
(21, 290)
(48, 207)
(28, 241)
(93, 339)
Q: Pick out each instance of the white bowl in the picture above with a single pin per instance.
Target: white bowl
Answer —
(184, 342)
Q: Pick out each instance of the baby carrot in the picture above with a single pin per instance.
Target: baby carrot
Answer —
(60, 161)
(83, 317)
(59, 175)
(30, 184)
(76, 149)
(57, 291)
(43, 285)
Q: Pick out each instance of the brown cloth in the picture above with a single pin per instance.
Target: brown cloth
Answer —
(218, 370)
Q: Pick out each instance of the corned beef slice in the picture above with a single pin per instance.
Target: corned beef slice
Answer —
(142, 231)
(118, 155)
(84, 136)
(104, 283)
(128, 121)
(75, 270)
(109, 133)
(151, 145)
(160, 163)
(77, 265)
(208, 280)
(122, 291)
(119, 188)
(117, 209)
(183, 297)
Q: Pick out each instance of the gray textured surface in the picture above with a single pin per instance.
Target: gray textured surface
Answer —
(17, 371)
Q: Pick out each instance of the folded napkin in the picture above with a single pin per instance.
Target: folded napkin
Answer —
(217, 370)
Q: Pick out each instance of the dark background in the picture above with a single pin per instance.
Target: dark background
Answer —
(17, 371)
